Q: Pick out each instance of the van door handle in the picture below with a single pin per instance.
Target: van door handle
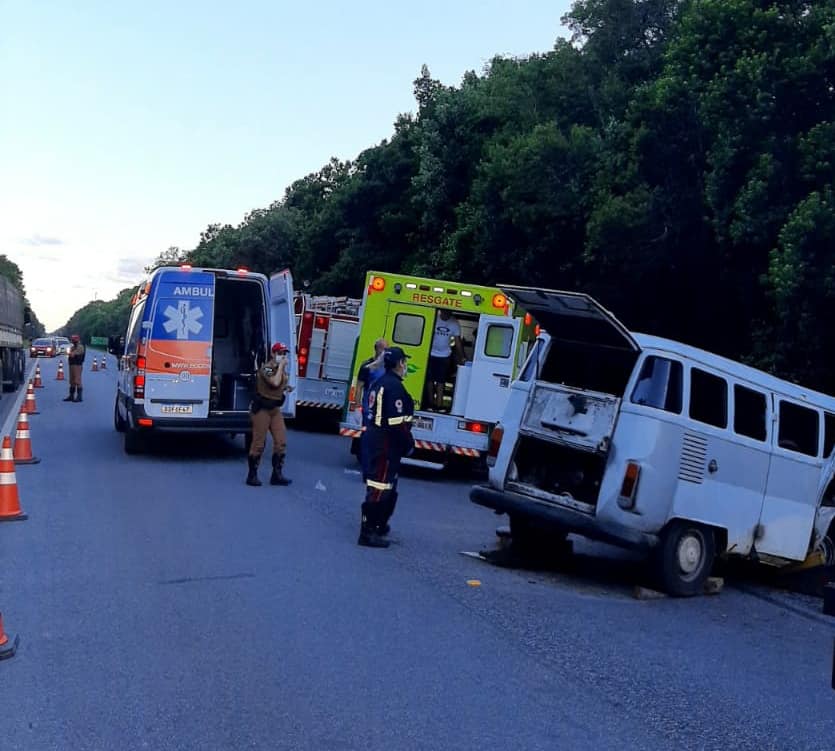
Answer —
(713, 466)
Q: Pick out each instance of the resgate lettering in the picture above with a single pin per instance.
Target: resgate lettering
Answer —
(446, 302)
(194, 291)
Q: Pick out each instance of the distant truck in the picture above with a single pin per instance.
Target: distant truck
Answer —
(12, 352)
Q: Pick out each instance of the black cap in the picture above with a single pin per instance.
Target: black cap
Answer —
(393, 356)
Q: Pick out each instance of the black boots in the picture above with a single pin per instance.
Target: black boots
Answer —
(278, 477)
(78, 393)
(370, 536)
(252, 477)
(71, 396)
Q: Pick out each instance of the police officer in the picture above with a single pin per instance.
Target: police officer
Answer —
(389, 439)
(76, 361)
(272, 383)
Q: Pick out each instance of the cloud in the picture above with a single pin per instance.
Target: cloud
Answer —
(37, 239)
(128, 270)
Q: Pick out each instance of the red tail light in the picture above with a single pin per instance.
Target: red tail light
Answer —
(321, 322)
(139, 378)
(629, 486)
(472, 427)
(145, 422)
(494, 445)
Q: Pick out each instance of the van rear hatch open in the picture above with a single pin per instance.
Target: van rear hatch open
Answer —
(570, 415)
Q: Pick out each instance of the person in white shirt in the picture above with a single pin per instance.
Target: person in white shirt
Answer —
(447, 336)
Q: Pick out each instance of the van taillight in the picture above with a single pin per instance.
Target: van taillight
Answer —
(472, 427)
(629, 486)
(139, 378)
(494, 445)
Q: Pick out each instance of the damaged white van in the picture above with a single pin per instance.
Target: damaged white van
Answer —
(649, 443)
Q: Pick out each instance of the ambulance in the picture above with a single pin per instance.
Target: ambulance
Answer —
(327, 329)
(404, 310)
(194, 341)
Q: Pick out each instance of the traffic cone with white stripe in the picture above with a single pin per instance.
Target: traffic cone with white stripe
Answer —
(30, 406)
(38, 381)
(10, 510)
(8, 644)
(23, 442)
(103, 365)
(60, 376)
(95, 365)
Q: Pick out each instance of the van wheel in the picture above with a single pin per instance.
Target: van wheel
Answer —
(134, 441)
(827, 547)
(684, 558)
(118, 420)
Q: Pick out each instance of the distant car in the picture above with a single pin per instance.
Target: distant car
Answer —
(64, 345)
(44, 347)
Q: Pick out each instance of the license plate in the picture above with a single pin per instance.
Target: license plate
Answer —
(334, 394)
(423, 423)
(176, 409)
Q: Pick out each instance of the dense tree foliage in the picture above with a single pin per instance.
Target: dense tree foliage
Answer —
(674, 158)
(8, 268)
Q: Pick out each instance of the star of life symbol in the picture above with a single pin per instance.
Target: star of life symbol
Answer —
(183, 319)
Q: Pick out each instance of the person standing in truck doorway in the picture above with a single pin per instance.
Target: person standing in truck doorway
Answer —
(76, 361)
(446, 337)
(271, 385)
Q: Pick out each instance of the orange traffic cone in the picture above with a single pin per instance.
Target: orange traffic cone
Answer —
(30, 406)
(60, 376)
(95, 365)
(38, 381)
(23, 442)
(103, 362)
(8, 645)
(10, 510)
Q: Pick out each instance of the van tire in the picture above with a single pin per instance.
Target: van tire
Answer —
(134, 441)
(118, 421)
(684, 558)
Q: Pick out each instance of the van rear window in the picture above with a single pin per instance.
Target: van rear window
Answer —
(708, 398)
(659, 384)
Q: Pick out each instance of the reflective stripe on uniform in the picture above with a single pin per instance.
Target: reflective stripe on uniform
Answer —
(400, 420)
(379, 485)
(378, 418)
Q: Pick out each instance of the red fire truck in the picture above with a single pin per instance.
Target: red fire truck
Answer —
(327, 329)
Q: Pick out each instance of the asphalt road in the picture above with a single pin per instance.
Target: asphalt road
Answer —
(163, 604)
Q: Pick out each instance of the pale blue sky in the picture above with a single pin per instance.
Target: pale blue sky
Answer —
(129, 127)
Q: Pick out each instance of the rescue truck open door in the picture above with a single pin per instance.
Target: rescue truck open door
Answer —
(494, 356)
(177, 361)
(410, 327)
(282, 329)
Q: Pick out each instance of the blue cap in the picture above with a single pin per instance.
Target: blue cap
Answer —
(393, 356)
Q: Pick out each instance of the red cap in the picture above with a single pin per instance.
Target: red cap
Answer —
(75, 338)
(279, 347)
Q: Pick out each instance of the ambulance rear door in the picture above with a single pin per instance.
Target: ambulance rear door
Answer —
(492, 368)
(179, 349)
(283, 329)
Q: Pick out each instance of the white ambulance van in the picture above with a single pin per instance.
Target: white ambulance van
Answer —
(194, 341)
(652, 444)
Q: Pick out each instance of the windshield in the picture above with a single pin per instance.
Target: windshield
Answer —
(42, 342)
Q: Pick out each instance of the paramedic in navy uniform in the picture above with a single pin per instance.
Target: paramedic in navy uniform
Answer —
(390, 408)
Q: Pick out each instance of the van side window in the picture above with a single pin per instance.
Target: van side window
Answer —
(798, 429)
(659, 384)
(499, 341)
(132, 338)
(749, 413)
(708, 398)
(828, 433)
(408, 329)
